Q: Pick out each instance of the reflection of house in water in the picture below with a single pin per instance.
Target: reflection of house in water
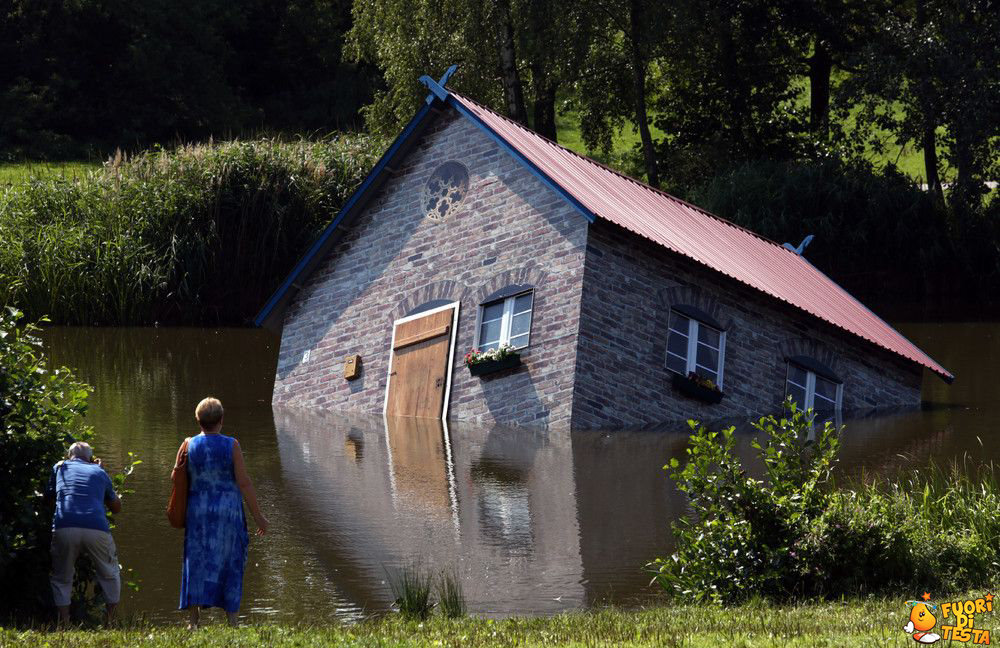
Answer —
(500, 510)
(531, 521)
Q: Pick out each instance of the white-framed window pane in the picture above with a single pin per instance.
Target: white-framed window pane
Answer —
(799, 376)
(677, 363)
(821, 404)
(507, 321)
(493, 311)
(679, 323)
(677, 344)
(708, 335)
(826, 389)
(707, 358)
(522, 303)
(520, 324)
(519, 341)
(798, 394)
(489, 334)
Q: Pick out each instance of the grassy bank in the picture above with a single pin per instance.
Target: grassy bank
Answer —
(861, 623)
(21, 173)
(199, 234)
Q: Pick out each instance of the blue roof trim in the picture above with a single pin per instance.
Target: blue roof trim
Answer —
(317, 245)
(517, 155)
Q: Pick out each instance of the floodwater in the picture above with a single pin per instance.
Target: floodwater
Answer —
(531, 522)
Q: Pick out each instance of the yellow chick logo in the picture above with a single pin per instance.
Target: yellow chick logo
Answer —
(922, 619)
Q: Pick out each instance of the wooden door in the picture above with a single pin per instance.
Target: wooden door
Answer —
(420, 364)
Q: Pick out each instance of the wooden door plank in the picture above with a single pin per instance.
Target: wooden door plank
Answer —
(422, 337)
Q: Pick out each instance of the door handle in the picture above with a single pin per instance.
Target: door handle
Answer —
(392, 373)
(439, 382)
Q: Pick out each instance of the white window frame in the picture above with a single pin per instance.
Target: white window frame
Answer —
(810, 387)
(692, 348)
(507, 318)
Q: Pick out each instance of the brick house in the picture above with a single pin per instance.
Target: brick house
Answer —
(623, 302)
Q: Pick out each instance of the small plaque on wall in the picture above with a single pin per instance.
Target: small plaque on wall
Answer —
(352, 367)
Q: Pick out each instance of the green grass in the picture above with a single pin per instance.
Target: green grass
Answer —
(857, 624)
(623, 141)
(19, 173)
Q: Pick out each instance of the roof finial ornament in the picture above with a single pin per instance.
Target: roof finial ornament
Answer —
(802, 246)
(437, 87)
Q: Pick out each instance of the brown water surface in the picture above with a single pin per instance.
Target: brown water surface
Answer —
(531, 521)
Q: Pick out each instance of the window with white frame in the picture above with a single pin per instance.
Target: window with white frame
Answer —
(812, 389)
(694, 346)
(505, 321)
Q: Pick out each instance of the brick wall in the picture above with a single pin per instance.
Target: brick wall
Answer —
(629, 286)
(509, 229)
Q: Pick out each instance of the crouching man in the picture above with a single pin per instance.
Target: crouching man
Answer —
(81, 490)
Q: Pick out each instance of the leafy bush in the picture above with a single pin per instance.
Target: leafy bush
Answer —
(200, 234)
(791, 535)
(40, 413)
(741, 536)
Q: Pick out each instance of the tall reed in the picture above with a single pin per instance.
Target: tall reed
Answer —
(412, 589)
(200, 234)
(451, 599)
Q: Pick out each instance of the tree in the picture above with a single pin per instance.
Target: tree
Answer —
(501, 47)
(727, 93)
(938, 61)
(828, 34)
(405, 39)
(614, 86)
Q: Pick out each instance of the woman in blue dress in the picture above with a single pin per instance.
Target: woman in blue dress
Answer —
(215, 534)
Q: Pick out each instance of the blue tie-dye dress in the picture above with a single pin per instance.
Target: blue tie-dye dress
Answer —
(215, 536)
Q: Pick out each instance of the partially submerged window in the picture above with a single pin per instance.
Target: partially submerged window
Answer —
(696, 344)
(505, 318)
(812, 384)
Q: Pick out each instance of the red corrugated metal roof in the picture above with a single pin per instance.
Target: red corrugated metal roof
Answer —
(735, 252)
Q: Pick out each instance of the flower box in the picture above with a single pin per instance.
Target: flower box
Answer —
(693, 389)
(485, 367)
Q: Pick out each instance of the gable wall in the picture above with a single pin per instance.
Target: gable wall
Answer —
(629, 286)
(510, 229)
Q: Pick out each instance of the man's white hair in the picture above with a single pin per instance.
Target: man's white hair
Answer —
(81, 450)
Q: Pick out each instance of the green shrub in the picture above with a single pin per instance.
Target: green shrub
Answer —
(40, 412)
(196, 235)
(740, 537)
(791, 535)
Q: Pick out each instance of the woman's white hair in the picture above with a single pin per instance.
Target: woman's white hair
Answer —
(81, 450)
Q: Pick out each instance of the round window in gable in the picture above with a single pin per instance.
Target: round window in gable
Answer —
(445, 190)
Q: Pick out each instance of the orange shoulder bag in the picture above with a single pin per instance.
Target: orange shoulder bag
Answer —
(177, 505)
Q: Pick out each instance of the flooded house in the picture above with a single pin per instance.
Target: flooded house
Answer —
(624, 305)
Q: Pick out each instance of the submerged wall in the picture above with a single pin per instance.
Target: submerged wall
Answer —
(621, 379)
